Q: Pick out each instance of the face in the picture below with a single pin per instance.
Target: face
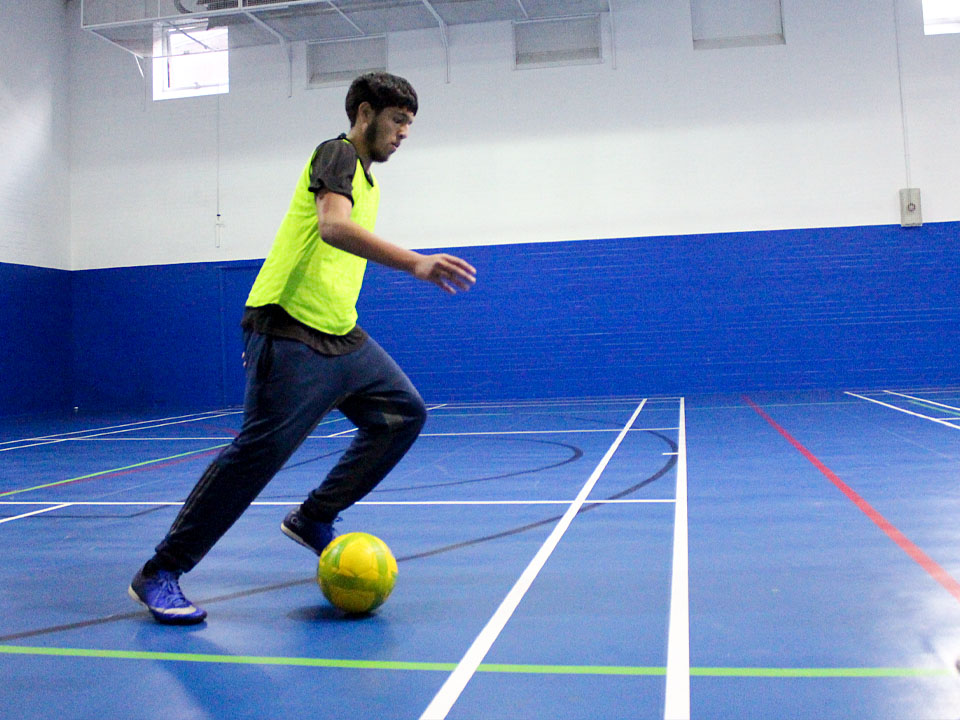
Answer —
(388, 129)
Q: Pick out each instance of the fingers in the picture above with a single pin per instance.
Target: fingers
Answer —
(461, 264)
(451, 273)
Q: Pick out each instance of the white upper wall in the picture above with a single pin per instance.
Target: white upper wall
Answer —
(670, 141)
(34, 117)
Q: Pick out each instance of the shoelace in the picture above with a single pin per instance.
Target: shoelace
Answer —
(171, 587)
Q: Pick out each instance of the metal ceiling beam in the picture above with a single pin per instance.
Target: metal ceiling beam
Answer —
(283, 39)
(342, 14)
(284, 44)
(436, 16)
(180, 31)
(443, 33)
(339, 9)
(613, 34)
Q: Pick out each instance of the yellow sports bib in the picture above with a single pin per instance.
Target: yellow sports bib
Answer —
(315, 282)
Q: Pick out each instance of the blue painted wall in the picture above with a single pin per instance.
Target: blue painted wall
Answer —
(846, 307)
(850, 307)
(35, 339)
(148, 337)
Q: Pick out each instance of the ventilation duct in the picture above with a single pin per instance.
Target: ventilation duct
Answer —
(736, 23)
(338, 62)
(564, 41)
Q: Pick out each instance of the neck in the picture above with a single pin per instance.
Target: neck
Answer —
(355, 136)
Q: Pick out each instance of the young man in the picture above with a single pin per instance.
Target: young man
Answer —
(305, 353)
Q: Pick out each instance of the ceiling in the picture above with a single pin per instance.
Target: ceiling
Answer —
(131, 23)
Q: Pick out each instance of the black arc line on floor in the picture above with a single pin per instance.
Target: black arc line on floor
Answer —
(671, 462)
(546, 521)
(575, 454)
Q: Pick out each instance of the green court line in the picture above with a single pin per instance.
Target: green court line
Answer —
(114, 470)
(570, 669)
(741, 672)
(228, 659)
(823, 672)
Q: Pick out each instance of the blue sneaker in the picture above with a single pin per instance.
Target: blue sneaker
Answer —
(312, 535)
(162, 596)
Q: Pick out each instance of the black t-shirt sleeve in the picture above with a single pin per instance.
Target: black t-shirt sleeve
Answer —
(333, 167)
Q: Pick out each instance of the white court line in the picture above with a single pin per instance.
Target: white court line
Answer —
(181, 438)
(117, 432)
(353, 429)
(677, 705)
(210, 414)
(507, 413)
(534, 404)
(95, 502)
(908, 412)
(923, 400)
(541, 432)
(166, 424)
(929, 391)
(516, 432)
(448, 694)
(35, 512)
(285, 503)
(350, 430)
(109, 427)
(175, 438)
(622, 501)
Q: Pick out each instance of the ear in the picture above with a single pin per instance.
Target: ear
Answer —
(365, 113)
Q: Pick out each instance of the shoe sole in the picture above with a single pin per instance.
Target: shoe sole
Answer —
(165, 619)
(297, 539)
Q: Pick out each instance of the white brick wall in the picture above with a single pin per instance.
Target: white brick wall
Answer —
(34, 134)
(671, 142)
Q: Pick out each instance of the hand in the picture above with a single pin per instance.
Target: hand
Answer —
(446, 272)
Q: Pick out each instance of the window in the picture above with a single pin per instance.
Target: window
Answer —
(190, 60)
(941, 17)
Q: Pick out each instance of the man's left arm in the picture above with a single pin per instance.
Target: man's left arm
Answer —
(447, 272)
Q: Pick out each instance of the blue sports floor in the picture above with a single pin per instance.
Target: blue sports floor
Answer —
(772, 556)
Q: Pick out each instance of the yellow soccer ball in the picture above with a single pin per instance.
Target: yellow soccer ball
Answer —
(357, 572)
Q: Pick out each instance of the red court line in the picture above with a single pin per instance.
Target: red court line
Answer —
(157, 466)
(918, 555)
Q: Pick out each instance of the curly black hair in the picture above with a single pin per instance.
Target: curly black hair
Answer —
(381, 90)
